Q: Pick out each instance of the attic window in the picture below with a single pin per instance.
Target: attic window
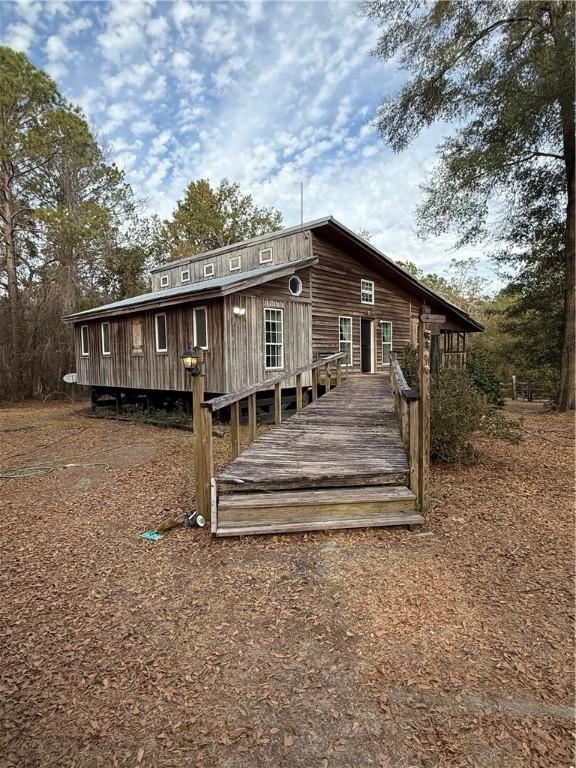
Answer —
(235, 263)
(367, 291)
(164, 281)
(185, 276)
(208, 270)
(266, 256)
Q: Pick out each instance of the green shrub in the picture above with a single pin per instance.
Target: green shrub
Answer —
(484, 376)
(457, 411)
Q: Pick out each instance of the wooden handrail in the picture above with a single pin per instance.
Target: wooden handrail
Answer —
(233, 397)
(408, 393)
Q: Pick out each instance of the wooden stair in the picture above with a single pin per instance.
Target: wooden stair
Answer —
(313, 510)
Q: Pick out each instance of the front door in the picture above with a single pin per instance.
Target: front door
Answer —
(366, 342)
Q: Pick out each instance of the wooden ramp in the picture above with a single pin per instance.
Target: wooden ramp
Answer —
(339, 463)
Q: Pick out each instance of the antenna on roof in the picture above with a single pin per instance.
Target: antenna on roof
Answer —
(301, 203)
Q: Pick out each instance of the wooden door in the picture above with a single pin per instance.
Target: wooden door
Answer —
(366, 345)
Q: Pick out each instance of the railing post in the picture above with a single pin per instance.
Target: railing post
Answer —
(298, 392)
(414, 446)
(423, 414)
(327, 380)
(278, 403)
(252, 417)
(338, 371)
(314, 384)
(205, 466)
(235, 429)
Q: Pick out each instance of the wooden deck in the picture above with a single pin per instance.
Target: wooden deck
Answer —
(339, 463)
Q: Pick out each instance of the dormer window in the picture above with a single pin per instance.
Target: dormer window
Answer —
(185, 276)
(164, 281)
(208, 270)
(235, 263)
(266, 256)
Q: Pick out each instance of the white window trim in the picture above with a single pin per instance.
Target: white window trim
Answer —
(382, 342)
(281, 345)
(165, 281)
(264, 258)
(102, 338)
(300, 284)
(209, 270)
(156, 316)
(237, 260)
(364, 290)
(185, 279)
(84, 351)
(347, 317)
(203, 309)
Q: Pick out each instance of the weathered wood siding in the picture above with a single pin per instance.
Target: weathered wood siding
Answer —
(336, 291)
(244, 349)
(284, 249)
(150, 369)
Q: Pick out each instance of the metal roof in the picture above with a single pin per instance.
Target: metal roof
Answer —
(190, 290)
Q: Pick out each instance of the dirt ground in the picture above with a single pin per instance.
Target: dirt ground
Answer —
(449, 647)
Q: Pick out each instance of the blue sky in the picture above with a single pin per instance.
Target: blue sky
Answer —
(268, 94)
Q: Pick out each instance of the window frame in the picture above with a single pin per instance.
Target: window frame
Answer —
(185, 272)
(205, 310)
(207, 267)
(137, 351)
(364, 290)
(165, 281)
(102, 350)
(383, 324)
(268, 344)
(350, 341)
(263, 260)
(157, 349)
(84, 348)
(300, 286)
(237, 259)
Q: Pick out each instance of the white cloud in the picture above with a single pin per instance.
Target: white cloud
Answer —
(19, 36)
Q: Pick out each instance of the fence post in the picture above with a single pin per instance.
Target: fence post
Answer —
(513, 387)
(423, 414)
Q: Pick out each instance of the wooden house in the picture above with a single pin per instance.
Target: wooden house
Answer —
(259, 308)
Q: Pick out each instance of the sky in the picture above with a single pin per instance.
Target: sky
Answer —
(268, 94)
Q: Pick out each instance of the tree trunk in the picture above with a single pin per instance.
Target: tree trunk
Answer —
(12, 276)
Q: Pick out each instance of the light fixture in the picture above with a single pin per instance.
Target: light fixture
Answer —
(239, 311)
(192, 361)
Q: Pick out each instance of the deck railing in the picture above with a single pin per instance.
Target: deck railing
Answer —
(413, 411)
(327, 371)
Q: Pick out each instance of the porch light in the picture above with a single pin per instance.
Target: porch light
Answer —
(192, 361)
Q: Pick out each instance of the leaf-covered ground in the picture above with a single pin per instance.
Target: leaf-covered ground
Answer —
(342, 649)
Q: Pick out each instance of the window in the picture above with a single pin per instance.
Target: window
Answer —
(208, 270)
(105, 337)
(235, 263)
(295, 285)
(136, 337)
(345, 337)
(84, 345)
(160, 328)
(367, 291)
(274, 338)
(386, 326)
(185, 276)
(201, 328)
(164, 281)
(266, 256)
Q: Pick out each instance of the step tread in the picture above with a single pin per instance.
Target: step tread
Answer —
(295, 526)
(314, 497)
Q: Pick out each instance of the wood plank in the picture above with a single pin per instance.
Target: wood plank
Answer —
(323, 525)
